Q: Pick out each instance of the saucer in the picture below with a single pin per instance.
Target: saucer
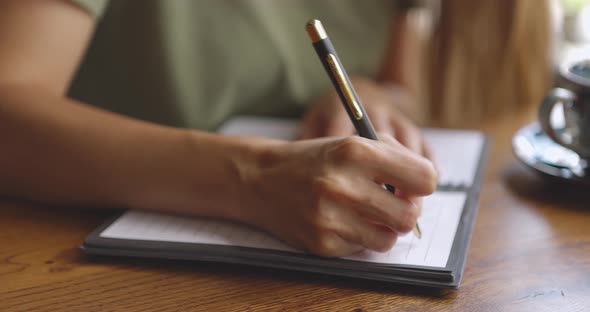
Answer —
(538, 151)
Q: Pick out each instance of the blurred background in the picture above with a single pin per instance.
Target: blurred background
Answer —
(487, 58)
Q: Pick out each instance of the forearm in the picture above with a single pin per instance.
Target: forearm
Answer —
(59, 151)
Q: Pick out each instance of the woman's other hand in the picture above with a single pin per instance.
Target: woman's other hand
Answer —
(327, 117)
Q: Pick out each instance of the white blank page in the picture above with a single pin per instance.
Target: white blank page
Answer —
(456, 154)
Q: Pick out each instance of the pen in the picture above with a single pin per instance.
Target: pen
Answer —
(329, 59)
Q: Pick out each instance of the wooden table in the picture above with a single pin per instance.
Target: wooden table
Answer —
(530, 252)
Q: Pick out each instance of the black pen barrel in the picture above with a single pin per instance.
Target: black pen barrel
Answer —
(363, 125)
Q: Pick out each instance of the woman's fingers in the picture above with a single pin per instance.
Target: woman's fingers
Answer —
(311, 126)
(387, 163)
(318, 123)
(408, 135)
(380, 206)
(363, 215)
(382, 124)
(427, 152)
(417, 201)
(343, 231)
(359, 231)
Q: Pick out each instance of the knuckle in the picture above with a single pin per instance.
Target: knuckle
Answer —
(352, 149)
(321, 186)
(331, 188)
(318, 238)
(323, 219)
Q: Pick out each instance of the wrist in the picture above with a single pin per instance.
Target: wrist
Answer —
(253, 155)
(194, 173)
(218, 174)
(208, 175)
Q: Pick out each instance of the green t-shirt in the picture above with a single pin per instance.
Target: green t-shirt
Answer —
(196, 63)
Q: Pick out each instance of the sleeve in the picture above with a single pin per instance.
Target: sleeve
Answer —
(96, 8)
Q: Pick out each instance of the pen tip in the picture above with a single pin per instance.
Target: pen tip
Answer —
(417, 231)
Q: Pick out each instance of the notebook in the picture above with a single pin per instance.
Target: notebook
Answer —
(437, 259)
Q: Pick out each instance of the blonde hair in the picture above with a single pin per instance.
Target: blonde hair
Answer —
(486, 58)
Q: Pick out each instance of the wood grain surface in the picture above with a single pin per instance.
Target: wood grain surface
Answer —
(530, 252)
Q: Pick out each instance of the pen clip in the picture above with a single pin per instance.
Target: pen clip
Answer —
(344, 86)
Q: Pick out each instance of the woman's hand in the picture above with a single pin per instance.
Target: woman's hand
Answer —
(327, 117)
(326, 195)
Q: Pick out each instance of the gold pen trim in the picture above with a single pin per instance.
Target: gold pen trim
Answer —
(346, 89)
(315, 30)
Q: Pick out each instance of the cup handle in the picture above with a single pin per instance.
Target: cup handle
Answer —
(556, 95)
